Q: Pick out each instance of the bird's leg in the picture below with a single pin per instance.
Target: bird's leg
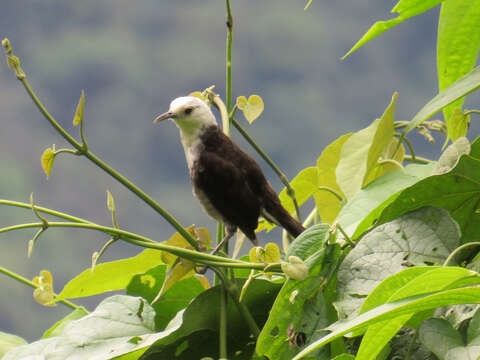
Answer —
(230, 231)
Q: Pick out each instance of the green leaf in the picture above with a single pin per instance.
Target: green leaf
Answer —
(440, 337)
(9, 341)
(457, 90)
(59, 326)
(197, 335)
(252, 108)
(305, 184)
(406, 9)
(457, 125)
(78, 118)
(328, 204)
(415, 304)
(176, 298)
(110, 276)
(423, 237)
(365, 207)
(458, 44)
(47, 161)
(104, 334)
(110, 202)
(361, 152)
(290, 312)
(457, 191)
(309, 242)
(403, 285)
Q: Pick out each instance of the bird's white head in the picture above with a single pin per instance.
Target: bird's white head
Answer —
(190, 114)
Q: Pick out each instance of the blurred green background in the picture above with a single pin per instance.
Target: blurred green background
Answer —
(132, 59)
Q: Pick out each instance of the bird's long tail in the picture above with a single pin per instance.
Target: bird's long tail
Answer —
(274, 212)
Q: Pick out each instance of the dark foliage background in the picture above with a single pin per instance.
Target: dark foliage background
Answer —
(132, 59)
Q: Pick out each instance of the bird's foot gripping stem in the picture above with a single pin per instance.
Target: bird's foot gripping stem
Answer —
(229, 233)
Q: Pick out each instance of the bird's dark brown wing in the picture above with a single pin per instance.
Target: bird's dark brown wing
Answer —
(225, 185)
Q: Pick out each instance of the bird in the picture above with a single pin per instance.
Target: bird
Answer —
(227, 181)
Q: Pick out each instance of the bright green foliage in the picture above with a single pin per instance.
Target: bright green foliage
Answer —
(47, 161)
(364, 208)
(457, 51)
(440, 337)
(252, 108)
(104, 334)
(293, 303)
(455, 91)
(197, 335)
(110, 276)
(177, 297)
(423, 237)
(414, 304)
(377, 254)
(457, 191)
(429, 281)
(58, 328)
(9, 341)
(361, 152)
(78, 118)
(406, 9)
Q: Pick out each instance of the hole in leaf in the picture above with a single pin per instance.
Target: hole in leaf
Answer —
(274, 331)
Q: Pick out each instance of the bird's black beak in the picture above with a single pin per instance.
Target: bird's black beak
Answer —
(167, 115)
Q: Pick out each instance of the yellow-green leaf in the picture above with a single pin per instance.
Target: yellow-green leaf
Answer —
(405, 8)
(110, 202)
(78, 118)
(272, 253)
(328, 204)
(252, 108)
(44, 294)
(361, 151)
(47, 161)
(200, 95)
(457, 125)
(458, 43)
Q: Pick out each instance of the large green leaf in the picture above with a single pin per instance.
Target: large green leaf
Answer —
(328, 204)
(365, 207)
(177, 297)
(110, 276)
(290, 313)
(455, 91)
(361, 151)
(406, 9)
(423, 237)
(458, 44)
(119, 325)
(414, 304)
(197, 334)
(457, 191)
(9, 341)
(59, 326)
(401, 286)
(441, 338)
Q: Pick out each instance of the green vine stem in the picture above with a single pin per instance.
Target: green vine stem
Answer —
(223, 322)
(143, 241)
(417, 159)
(44, 210)
(263, 154)
(33, 285)
(14, 63)
(457, 250)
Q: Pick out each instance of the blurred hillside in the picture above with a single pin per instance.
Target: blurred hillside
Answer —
(132, 59)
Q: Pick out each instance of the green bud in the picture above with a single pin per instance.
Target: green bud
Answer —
(295, 268)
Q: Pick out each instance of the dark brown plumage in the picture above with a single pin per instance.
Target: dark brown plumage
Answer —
(235, 186)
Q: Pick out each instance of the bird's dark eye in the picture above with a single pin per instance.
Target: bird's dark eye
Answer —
(188, 110)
